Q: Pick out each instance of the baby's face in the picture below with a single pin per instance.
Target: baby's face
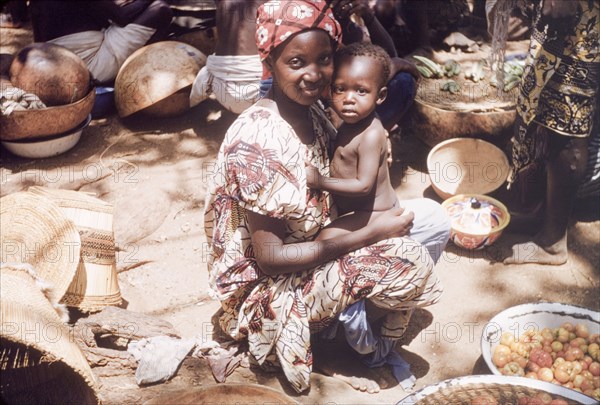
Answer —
(356, 88)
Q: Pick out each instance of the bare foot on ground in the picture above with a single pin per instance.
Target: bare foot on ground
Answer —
(532, 252)
(359, 383)
(335, 359)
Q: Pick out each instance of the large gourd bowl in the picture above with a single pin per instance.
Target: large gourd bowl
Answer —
(466, 166)
(46, 122)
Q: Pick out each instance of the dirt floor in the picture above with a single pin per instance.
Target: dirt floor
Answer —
(154, 171)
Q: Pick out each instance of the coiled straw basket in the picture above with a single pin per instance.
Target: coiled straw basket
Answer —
(39, 361)
(34, 230)
(95, 284)
(503, 389)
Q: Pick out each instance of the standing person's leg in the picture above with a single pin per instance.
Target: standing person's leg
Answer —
(566, 167)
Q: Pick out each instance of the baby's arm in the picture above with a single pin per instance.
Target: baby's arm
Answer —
(370, 155)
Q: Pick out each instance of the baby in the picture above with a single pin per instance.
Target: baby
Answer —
(360, 181)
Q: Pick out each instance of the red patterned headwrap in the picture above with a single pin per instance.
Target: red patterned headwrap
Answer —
(277, 20)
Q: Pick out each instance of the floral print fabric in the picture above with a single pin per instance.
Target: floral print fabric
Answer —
(277, 20)
(261, 168)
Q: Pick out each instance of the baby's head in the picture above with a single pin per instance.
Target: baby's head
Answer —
(359, 81)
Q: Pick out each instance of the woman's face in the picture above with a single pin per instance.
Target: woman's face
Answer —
(302, 68)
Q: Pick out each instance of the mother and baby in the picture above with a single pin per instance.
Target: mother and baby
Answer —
(305, 231)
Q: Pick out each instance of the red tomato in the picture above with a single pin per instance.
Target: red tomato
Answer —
(546, 374)
(562, 335)
(573, 353)
(562, 372)
(582, 330)
(540, 357)
(587, 385)
(568, 326)
(514, 369)
(501, 349)
(500, 359)
(593, 350)
(577, 342)
(531, 366)
(578, 381)
(547, 336)
(520, 360)
(507, 339)
(594, 368)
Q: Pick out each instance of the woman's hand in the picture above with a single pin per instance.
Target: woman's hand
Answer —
(335, 119)
(393, 223)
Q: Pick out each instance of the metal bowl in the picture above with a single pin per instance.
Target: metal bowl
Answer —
(38, 148)
(533, 317)
(46, 122)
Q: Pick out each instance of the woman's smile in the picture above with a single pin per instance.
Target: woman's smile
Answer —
(312, 89)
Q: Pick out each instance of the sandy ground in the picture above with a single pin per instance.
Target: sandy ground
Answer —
(154, 171)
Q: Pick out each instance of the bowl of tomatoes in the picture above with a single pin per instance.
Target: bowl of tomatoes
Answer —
(494, 390)
(550, 342)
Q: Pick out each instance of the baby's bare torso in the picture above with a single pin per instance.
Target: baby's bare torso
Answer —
(344, 164)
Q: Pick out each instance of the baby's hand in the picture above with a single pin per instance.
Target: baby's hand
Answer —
(313, 177)
(394, 223)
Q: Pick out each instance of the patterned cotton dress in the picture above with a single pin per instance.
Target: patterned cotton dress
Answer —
(559, 89)
(261, 168)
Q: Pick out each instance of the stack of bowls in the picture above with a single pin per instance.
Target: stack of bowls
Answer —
(62, 82)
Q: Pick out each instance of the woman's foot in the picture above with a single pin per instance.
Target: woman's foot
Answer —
(536, 252)
(336, 359)
(359, 383)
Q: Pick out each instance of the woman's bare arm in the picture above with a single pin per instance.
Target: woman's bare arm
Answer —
(275, 257)
(120, 12)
